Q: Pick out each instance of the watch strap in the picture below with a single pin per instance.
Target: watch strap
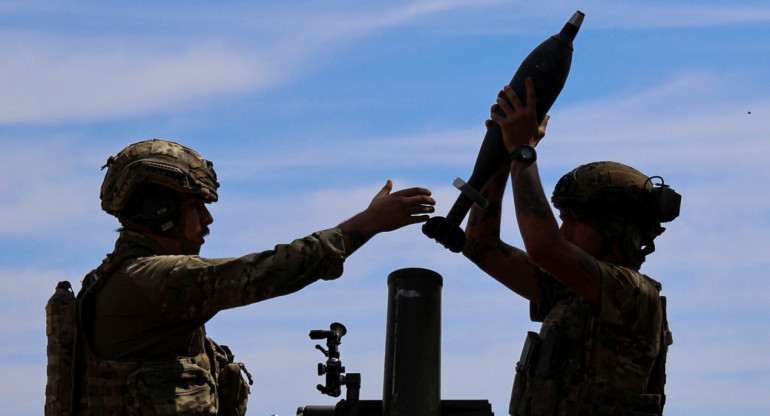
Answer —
(524, 153)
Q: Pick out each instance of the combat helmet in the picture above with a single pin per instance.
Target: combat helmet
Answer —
(157, 163)
(620, 202)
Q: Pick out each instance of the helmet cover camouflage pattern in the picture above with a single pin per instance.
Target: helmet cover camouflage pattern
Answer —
(614, 199)
(587, 183)
(160, 162)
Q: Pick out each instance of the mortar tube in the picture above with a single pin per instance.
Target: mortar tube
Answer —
(412, 377)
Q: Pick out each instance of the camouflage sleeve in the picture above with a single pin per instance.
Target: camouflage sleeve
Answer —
(630, 300)
(192, 287)
(550, 289)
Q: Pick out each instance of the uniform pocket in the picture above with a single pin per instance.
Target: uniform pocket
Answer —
(172, 388)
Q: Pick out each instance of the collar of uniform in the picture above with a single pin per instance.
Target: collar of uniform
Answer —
(134, 241)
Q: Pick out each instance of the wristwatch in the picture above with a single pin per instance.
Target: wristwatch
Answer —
(524, 153)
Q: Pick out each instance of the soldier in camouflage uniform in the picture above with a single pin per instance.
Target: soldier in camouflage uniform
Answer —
(601, 347)
(142, 346)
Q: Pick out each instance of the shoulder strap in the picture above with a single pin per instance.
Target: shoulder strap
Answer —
(95, 276)
(93, 280)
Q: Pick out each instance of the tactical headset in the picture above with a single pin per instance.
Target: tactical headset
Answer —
(153, 206)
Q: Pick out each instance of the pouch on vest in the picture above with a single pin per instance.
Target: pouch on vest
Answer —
(233, 390)
(553, 353)
(61, 330)
(172, 388)
(525, 369)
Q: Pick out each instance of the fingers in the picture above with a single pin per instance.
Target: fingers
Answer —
(513, 97)
(424, 206)
(385, 189)
(414, 219)
(420, 204)
(542, 128)
(416, 191)
(417, 205)
(508, 101)
(531, 96)
(513, 103)
(504, 104)
(416, 201)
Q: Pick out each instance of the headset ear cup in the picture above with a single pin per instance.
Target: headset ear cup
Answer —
(160, 209)
(667, 203)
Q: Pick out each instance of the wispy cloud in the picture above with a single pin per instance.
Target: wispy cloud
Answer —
(50, 78)
(640, 15)
(65, 81)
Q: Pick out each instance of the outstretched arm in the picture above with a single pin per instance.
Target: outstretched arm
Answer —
(387, 212)
(544, 243)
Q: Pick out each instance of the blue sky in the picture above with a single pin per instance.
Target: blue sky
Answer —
(307, 108)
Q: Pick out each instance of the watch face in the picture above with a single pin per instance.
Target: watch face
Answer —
(527, 153)
(524, 153)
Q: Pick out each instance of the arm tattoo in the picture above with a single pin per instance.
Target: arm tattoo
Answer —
(475, 252)
(530, 198)
(493, 210)
(508, 250)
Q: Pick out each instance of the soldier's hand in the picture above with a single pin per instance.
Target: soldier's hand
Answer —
(387, 212)
(519, 123)
(390, 211)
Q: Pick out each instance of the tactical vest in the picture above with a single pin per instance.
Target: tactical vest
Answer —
(539, 356)
(207, 382)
